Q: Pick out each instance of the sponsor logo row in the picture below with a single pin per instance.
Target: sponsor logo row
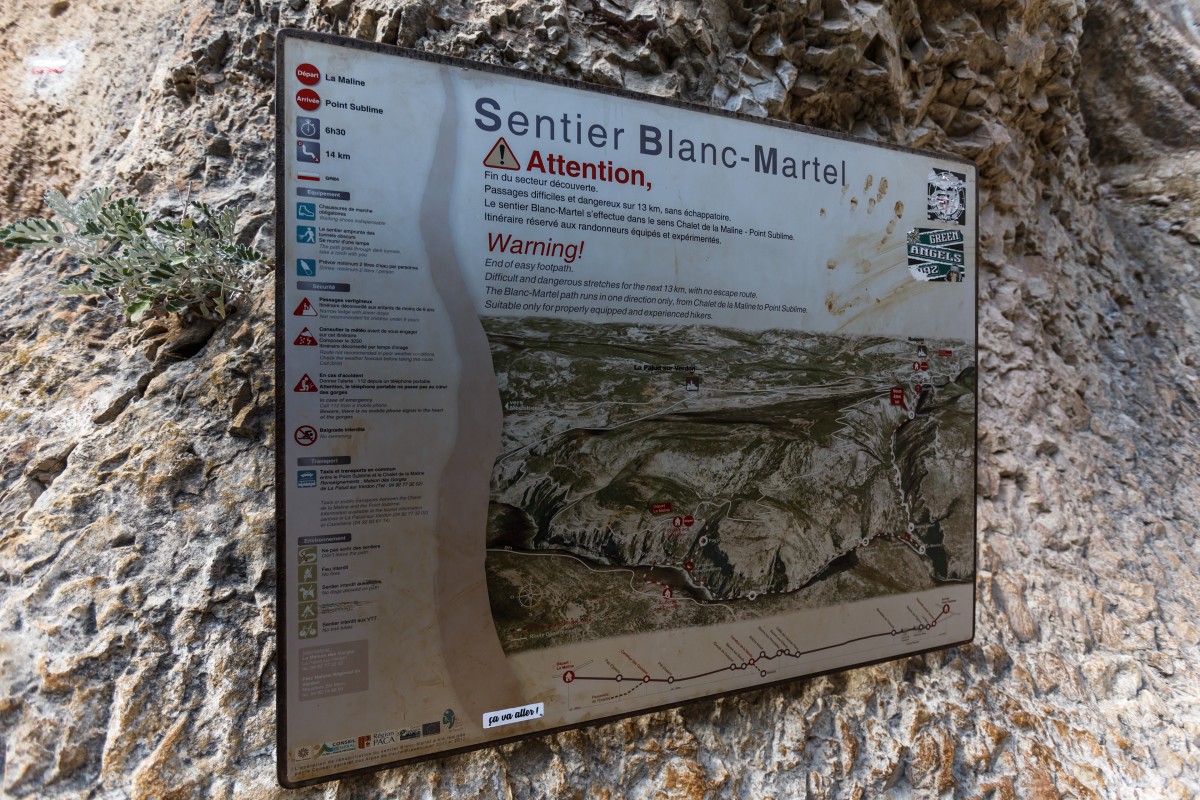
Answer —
(381, 739)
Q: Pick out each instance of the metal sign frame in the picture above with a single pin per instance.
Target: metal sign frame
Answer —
(941, 247)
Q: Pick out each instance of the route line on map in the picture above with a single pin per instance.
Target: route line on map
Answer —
(608, 568)
(570, 677)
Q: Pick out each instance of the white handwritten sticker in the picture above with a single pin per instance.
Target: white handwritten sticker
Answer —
(511, 716)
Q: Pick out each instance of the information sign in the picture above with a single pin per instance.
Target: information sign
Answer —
(591, 403)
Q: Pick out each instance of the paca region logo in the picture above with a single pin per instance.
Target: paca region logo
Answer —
(947, 195)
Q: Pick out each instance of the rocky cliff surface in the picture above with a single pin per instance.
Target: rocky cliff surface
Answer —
(136, 543)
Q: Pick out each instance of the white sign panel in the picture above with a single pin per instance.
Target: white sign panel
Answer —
(591, 403)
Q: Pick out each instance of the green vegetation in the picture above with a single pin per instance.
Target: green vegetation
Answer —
(146, 266)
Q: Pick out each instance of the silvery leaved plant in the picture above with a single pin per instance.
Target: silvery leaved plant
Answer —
(147, 266)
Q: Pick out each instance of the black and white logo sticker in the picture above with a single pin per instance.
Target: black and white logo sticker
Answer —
(947, 195)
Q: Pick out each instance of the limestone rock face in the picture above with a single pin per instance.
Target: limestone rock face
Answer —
(136, 474)
(1139, 95)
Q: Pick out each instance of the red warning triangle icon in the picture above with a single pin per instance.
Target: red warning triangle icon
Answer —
(305, 385)
(305, 309)
(502, 156)
(306, 339)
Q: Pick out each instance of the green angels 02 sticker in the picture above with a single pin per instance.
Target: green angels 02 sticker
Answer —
(936, 255)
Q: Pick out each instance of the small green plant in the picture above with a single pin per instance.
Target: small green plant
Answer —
(147, 266)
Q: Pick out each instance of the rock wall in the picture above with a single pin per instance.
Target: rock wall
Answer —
(136, 478)
(1140, 96)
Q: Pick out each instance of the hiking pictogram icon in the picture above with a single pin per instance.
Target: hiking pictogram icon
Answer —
(501, 156)
(306, 385)
(305, 309)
